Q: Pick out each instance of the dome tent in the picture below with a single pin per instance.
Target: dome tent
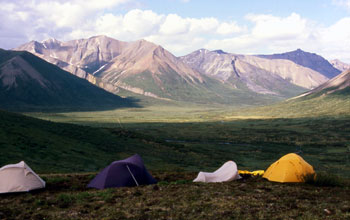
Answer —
(225, 173)
(19, 178)
(128, 172)
(289, 168)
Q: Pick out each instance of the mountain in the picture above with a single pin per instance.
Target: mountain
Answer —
(113, 64)
(329, 100)
(264, 76)
(339, 85)
(141, 67)
(149, 69)
(29, 83)
(309, 60)
(203, 76)
(340, 65)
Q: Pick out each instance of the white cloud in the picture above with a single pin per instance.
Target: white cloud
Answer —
(229, 28)
(174, 24)
(141, 23)
(74, 19)
(272, 27)
(271, 34)
(335, 40)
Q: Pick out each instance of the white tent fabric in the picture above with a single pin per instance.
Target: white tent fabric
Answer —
(226, 172)
(19, 178)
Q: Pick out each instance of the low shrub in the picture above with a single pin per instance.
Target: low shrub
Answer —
(64, 200)
(323, 179)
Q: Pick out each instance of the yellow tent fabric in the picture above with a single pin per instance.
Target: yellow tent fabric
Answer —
(254, 173)
(258, 172)
(289, 168)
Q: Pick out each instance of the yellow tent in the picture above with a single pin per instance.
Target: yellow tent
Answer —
(254, 173)
(289, 168)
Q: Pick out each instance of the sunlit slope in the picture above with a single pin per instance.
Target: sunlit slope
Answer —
(329, 99)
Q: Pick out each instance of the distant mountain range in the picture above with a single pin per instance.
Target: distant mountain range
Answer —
(203, 76)
(265, 76)
(28, 83)
(341, 66)
(309, 60)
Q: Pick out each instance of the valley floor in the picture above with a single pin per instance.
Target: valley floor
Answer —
(177, 197)
(175, 143)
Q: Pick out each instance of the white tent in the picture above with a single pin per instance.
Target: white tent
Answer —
(226, 172)
(19, 178)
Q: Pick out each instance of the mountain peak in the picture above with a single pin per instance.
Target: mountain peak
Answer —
(146, 42)
(50, 40)
(219, 51)
(340, 65)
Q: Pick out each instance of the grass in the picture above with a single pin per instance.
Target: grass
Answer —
(174, 138)
(176, 142)
(177, 197)
(192, 146)
(323, 179)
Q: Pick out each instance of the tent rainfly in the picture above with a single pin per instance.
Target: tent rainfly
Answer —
(225, 173)
(289, 168)
(128, 172)
(19, 178)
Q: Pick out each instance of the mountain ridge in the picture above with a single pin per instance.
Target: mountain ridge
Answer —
(259, 74)
(144, 68)
(306, 59)
(338, 84)
(29, 83)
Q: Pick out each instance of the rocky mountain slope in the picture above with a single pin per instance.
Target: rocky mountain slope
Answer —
(113, 64)
(309, 60)
(144, 68)
(339, 84)
(30, 83)
(260, 75)
(203, 76)
(340, 65)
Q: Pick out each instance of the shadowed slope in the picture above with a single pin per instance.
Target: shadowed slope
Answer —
(28, 83)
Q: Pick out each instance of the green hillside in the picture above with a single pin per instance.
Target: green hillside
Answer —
(336, 104)
(60, 147)
(173, 87)
(28, 83)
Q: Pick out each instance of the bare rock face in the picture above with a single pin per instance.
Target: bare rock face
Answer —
(259, 74)
(288, 70)
(109, 63)
(340, 65)
(148, 69)
(79, 57)
(309, 60)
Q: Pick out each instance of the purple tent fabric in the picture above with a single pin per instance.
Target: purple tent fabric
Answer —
(128, 172)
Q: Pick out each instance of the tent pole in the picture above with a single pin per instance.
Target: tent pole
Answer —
(132, 175)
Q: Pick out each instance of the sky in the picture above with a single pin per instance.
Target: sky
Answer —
(183, 26)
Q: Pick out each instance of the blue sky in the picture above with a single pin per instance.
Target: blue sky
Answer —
(324, 11)
(182, 26)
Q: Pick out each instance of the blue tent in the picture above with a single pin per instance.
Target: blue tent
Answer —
(128, 172)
